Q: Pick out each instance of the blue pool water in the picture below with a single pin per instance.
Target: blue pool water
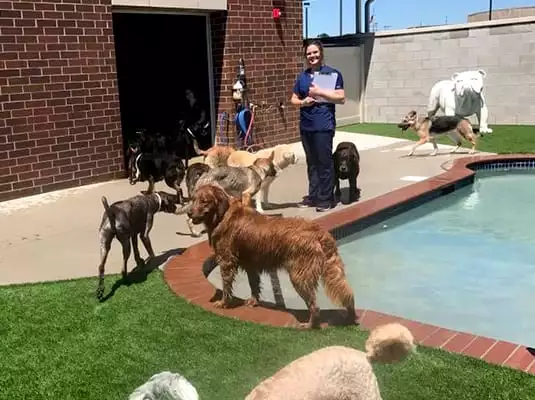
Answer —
(465, 261)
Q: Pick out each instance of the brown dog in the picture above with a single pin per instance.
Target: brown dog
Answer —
(243, 238)
(428, 129)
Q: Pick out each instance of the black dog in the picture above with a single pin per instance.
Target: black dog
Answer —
(193, 173)
(183, 140)
(154, 167)
(125, 220)
(180, 141)
(347, 166)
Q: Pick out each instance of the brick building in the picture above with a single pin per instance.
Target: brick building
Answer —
(64, 100)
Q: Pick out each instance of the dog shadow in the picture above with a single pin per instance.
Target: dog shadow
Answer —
(279, 206)
(446, 153)
(140, 273)
(329, 317)
(344, 196)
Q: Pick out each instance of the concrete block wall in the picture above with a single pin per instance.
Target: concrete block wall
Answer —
(404, 65)
(347, 60)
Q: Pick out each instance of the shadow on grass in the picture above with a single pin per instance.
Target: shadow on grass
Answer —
(140, 273)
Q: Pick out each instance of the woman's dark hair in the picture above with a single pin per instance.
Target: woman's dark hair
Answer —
(316, 43)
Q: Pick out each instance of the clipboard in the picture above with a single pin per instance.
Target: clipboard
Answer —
(325, 81)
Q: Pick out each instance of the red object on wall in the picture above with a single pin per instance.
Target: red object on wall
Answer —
(276, 13)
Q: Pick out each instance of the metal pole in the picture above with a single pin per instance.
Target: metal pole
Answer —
(490, 10)
(358, 16)
(341, 2)
(306, 22)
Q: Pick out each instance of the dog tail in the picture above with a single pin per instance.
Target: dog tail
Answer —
(109, 212)
(198, 151)
(389, 343)
(334, 278)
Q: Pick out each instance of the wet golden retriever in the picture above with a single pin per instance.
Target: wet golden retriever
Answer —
(243, 238)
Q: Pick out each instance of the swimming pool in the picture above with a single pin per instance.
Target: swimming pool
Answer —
(464, 261)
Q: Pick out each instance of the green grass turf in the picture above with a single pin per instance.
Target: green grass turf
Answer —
(58, 342)
(504, 138)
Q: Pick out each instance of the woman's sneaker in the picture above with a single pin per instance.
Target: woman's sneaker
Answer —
(306, 203)
(325, 207)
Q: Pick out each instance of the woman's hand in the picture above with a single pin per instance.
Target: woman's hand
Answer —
(315, 91)
(308, 101)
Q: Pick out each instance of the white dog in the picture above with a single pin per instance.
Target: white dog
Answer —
(462, 95)
(338, 372)
(165, 386)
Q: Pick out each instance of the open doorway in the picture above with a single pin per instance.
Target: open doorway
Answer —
(163, 71)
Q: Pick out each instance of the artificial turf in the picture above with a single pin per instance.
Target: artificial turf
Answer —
(58, 342)
(505, 139)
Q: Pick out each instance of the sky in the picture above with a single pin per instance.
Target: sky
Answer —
(324, 15)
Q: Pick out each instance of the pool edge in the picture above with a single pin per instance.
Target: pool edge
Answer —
(183, 273)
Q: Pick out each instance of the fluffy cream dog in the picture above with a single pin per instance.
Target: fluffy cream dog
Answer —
(462, 95)
(165, 386)
(338, 372)
(284, 157)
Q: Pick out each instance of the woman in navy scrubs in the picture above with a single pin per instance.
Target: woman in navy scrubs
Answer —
(317, 127)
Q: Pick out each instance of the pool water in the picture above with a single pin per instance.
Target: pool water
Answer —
(465, 261)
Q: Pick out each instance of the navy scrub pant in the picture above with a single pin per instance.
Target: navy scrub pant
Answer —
(318, 146)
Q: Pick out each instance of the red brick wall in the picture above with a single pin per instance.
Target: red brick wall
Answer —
(59, 109)
(59, 103)
(272, 52)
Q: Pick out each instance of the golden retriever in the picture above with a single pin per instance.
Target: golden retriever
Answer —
(243, 238)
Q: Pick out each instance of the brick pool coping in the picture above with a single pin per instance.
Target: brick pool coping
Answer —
(184, 276)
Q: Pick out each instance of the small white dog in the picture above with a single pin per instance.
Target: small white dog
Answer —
(338, 372)
(165, 386)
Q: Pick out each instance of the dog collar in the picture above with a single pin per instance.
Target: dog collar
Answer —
(159, 200)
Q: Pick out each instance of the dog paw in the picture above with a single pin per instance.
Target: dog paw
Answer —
(100, 292)
(220, 304)
(251, 302)
(196, 234)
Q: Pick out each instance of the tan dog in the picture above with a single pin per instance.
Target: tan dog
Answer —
(257, 243)
(284, 157)
(338, 372)
(238, 182)
(216, 156)
(428, 129)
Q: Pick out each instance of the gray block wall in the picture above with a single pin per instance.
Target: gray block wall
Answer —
(403, 68)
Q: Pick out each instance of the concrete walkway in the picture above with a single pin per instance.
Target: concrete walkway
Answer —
(54, 236)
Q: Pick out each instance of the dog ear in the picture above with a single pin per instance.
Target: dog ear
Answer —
(482, 72)
(221, 201)
(271, 156)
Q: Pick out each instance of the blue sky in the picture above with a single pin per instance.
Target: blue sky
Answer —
(323, 15)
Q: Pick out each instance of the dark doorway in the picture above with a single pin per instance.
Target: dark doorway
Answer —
(160, 57)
